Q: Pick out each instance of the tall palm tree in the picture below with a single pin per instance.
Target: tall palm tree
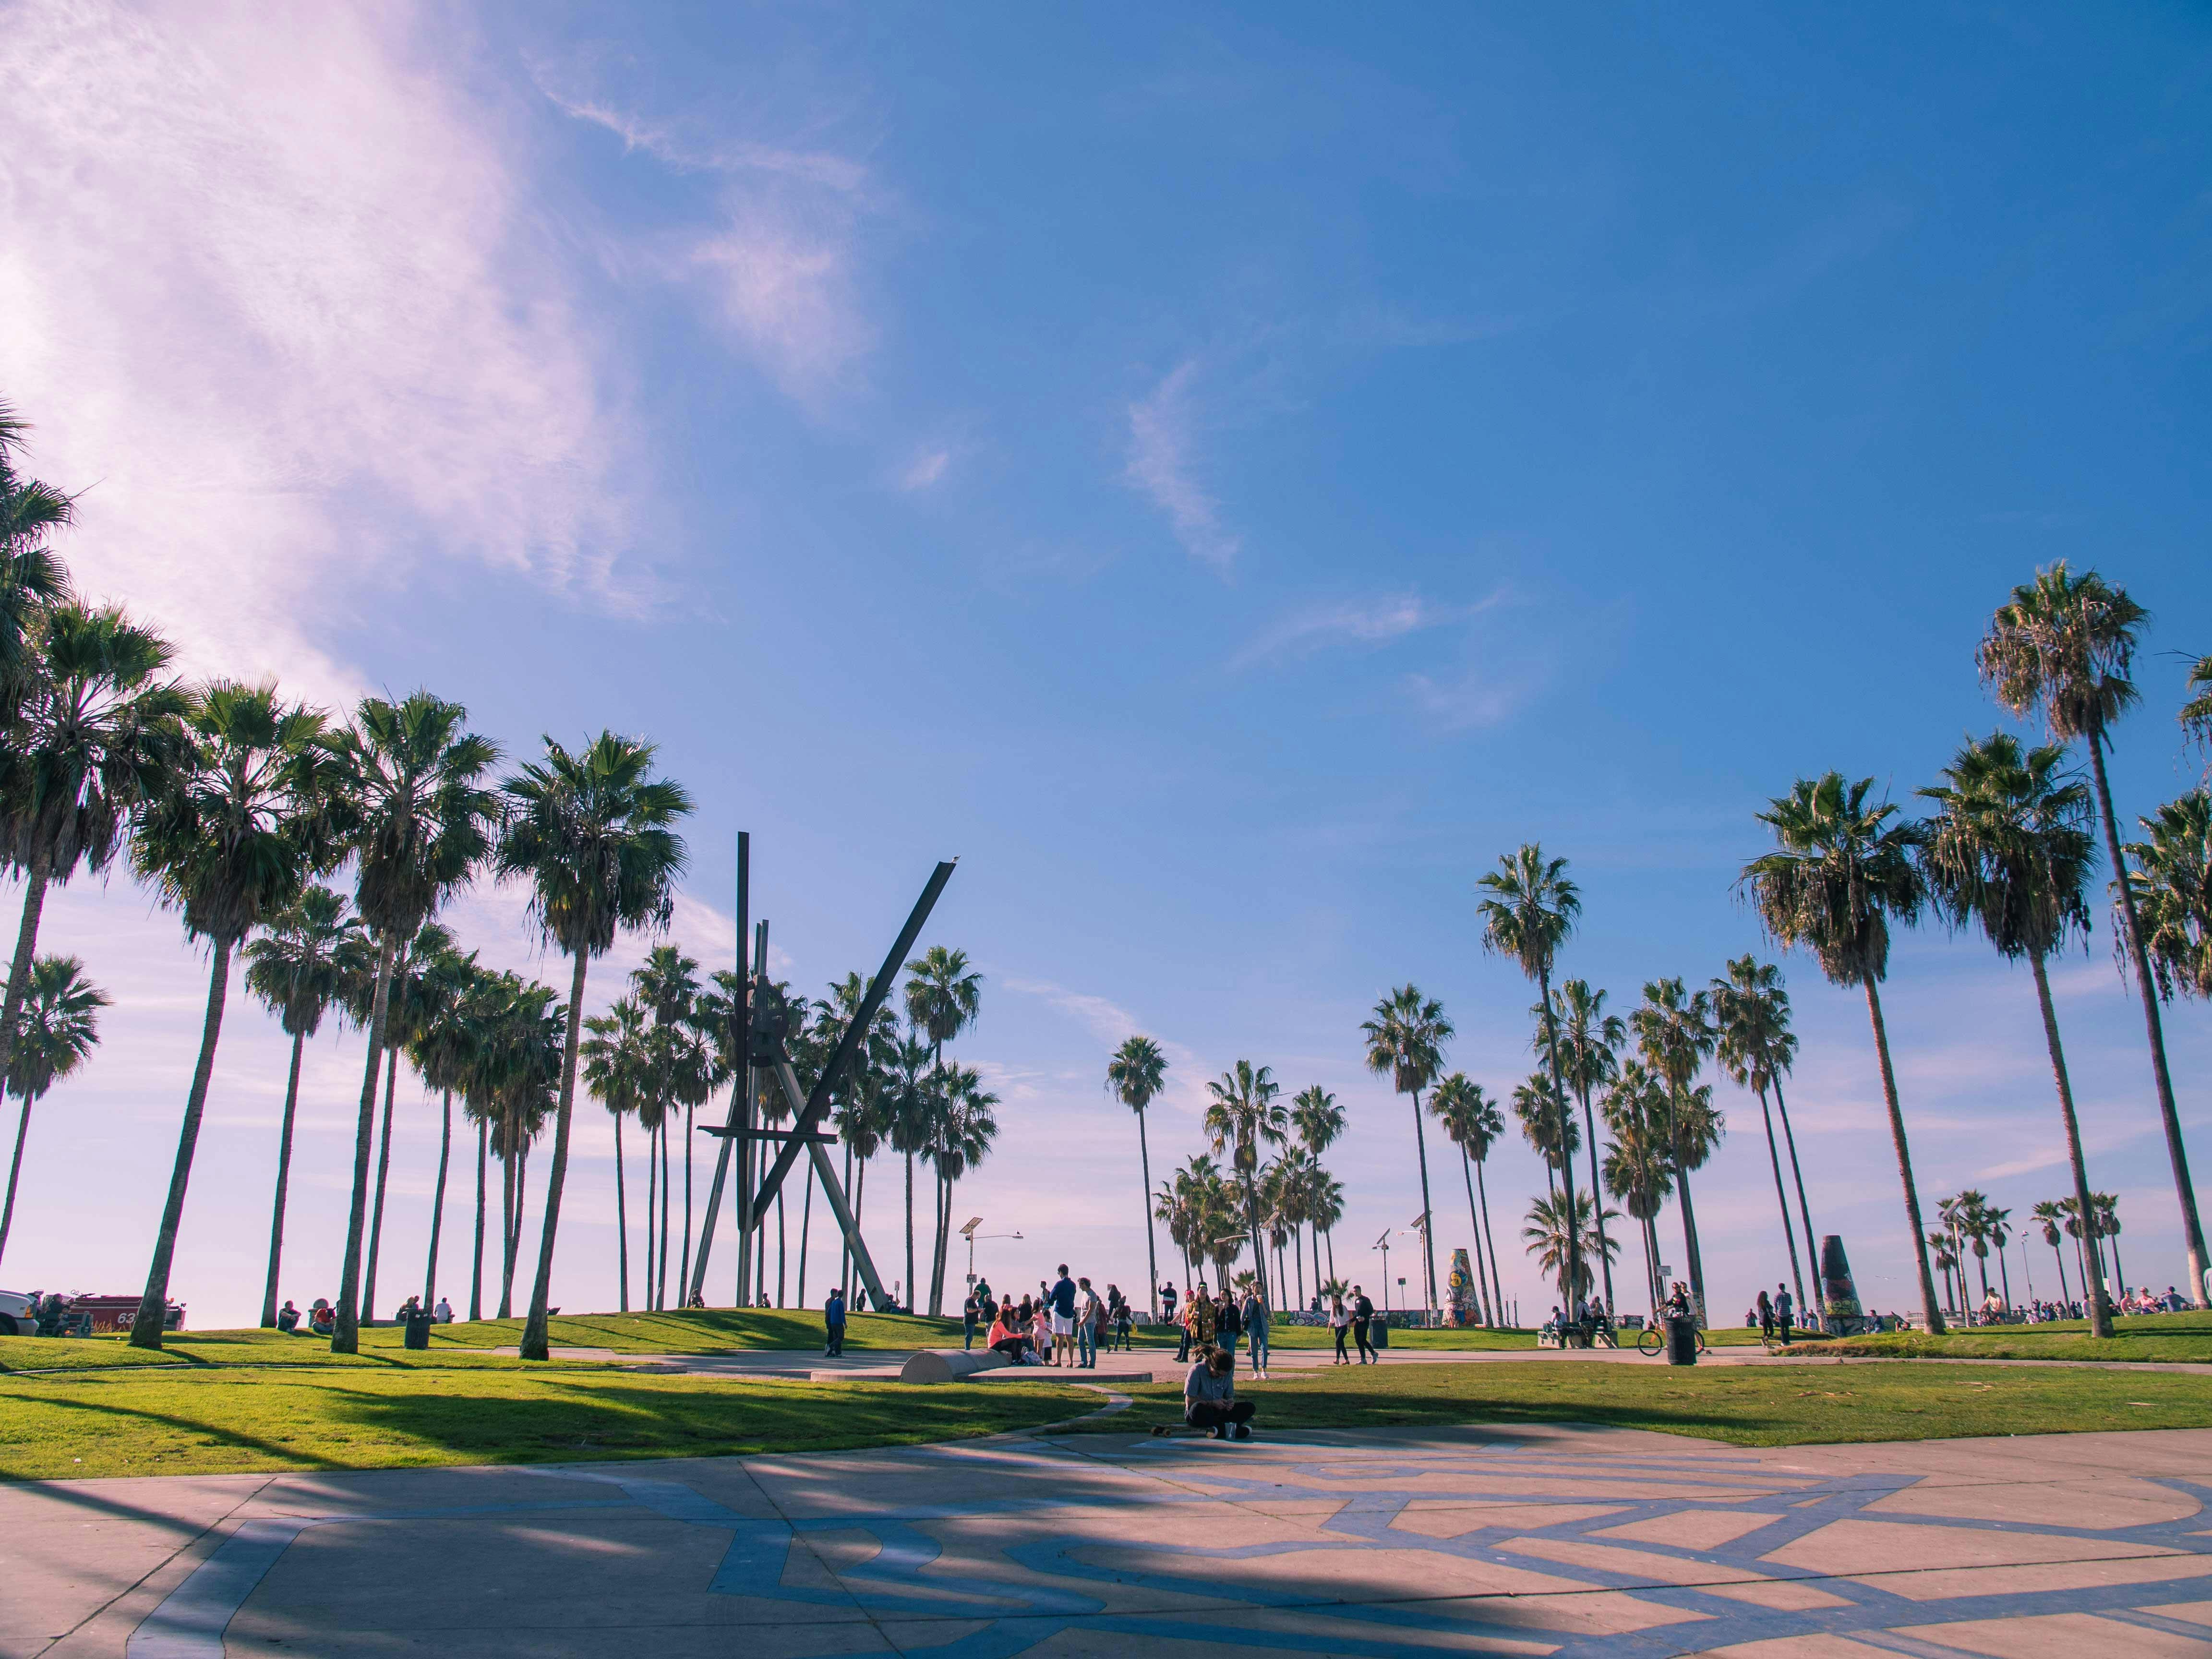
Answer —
(1675, 1033)
(2064, 644)
(1591, 1040)
(421, 823)
(1537, 1104)
(1840, 872)
(403, 1016)
(1325, 1204)
(480, 1017)
(2106, 1209)
(667, 985)
(1471, 1122)
(1756, 1046)
(1317, 1121)
(1638, 1160)
(966, 1131)
(1245, 1112)
(240, 825)
(911, 1109)
(1134, 1077)
(2196, 715)
(1406, 1037)
(2010, 851)
(943, 999)
(95, 733)
(2171, 875)
(524, 1064)
(60, 1028)
(1563, 1247)
(31, 576)
(2051, 1218)
(299, 968)
(1531, 911)
(439, 1048)
(617, 1070)
(592, 832)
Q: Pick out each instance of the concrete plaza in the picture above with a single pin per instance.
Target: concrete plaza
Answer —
(1382, 1544)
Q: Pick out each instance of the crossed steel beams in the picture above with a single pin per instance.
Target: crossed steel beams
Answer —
(810, 1110)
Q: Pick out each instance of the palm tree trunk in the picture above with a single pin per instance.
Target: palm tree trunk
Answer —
(1598, 1196)
(1695, 1264)
(683, 1274)
(475, 1271)
(345, 1337)
(534, 1334)
(805, 1227)
(622, 1220)
(153, 1307)
(1313, 1238)
(2119, 1273)
(1651, 1261)
(782, 1248)
(383, 1167)
(1428, 1227)
(1904, 1163)
(2193, 1232)
(284, 1181)
(438, 1200)
(652, 1191)
(1797, 1176)
(1574, 1267)
(943, 1199)
(1497, 1283)
(35, 880)
(906, 1290)
(15, 1169)
(860, 1198)
(2004, 1278)
(507, 1225)
(1475, 1225)
(1152, 1249)
(845, 1255)
(667, 1192)
(2059, 1256)
(1782, 1197)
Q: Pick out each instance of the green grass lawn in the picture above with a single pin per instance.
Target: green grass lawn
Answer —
(220, 1350)
(185, 1420)
(2183, 1337)
(1760, 1405)
(1318, 1336)
(699, 1330)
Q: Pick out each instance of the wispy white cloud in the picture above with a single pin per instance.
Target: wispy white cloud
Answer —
(267, 286)
(1356, 622)
(1162, 439)
(926, 470)
(781, 265)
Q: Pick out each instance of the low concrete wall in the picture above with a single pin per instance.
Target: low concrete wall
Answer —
(944, 1364)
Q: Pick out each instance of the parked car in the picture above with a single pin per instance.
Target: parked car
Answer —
(17, 1316)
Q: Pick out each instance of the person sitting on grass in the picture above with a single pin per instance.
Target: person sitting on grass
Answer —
(287, 1317)
(322, 1318)
(1209, 1397)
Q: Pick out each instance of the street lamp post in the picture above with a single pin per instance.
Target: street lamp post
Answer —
(969, 1233)
(1383, 1245)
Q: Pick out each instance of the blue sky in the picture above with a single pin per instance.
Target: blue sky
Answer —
(1227, 475)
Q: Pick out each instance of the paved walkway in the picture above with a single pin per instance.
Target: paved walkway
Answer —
(1382, 1545)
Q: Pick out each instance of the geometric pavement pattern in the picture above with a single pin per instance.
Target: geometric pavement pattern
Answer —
(1554, 1542)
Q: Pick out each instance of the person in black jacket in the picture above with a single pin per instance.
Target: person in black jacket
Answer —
(1363, 1320)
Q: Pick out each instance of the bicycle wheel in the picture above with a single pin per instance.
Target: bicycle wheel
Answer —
(1702, 1348)
(1649, 1342)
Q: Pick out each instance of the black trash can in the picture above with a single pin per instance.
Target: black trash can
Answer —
(418, 1331)
(1682, 1340)
(1378, 1332)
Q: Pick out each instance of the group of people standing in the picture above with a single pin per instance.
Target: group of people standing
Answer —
(1063, 1325)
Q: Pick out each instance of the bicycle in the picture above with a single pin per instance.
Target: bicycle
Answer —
(1651, 1342)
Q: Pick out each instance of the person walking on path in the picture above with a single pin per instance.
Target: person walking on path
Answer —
(1228, 1326)
(1765, 1313)
(833, 1322)
(1089, 1311)
(1255, 1331)
(1362, 1317)
(1062, 1298)
(1209, 1397)
(1168, 1303)
(1782, 1310)
(1340, 1322)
